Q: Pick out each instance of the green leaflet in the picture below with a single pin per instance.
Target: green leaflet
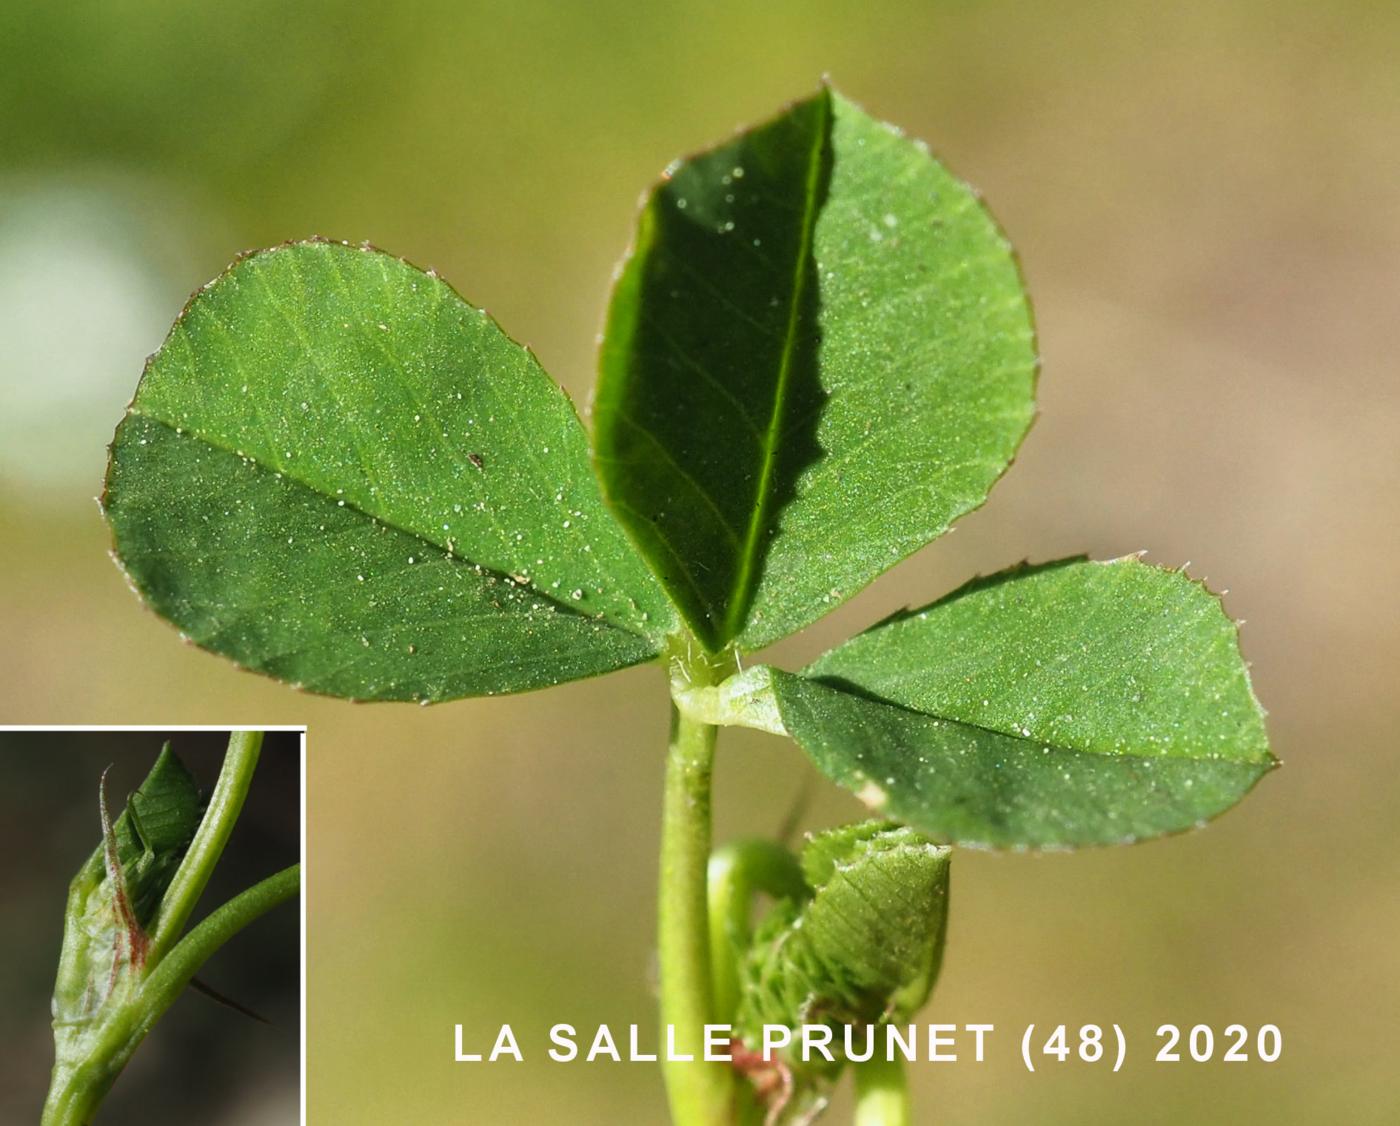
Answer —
(151, 835)
(338, 473)
(865, 948)
(817, 356)
(1069, 704)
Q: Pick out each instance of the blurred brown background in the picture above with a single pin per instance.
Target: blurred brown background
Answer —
(203, 1062)
(1205, 199)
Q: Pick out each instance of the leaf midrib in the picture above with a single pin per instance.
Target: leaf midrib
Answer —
(441, 291)
(1056, 748)
(738, 595)
(354, 506)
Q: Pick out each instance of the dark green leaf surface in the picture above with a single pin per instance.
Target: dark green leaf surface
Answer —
(338, 473)
(154, 831)
(866, 947)
(1070, 704)
(817, 356)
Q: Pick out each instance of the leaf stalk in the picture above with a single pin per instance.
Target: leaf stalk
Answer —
(700, 1093)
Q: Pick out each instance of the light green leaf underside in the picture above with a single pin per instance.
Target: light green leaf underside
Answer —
(337, 472)
(1070, 704)
(818, 355)
(152, 834)
(866, 947)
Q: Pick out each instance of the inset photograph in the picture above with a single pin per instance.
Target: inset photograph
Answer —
(151, 945)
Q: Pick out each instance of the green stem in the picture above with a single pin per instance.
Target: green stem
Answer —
(700, 1093)
(169, 979)
(882, 1093)
(77, 1091)
(198, 864)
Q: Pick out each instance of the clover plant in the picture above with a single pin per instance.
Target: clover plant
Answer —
(817, 356)
(125, 956)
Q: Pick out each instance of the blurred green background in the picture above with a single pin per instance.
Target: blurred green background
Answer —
(203, 1062)
(1206, 203)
